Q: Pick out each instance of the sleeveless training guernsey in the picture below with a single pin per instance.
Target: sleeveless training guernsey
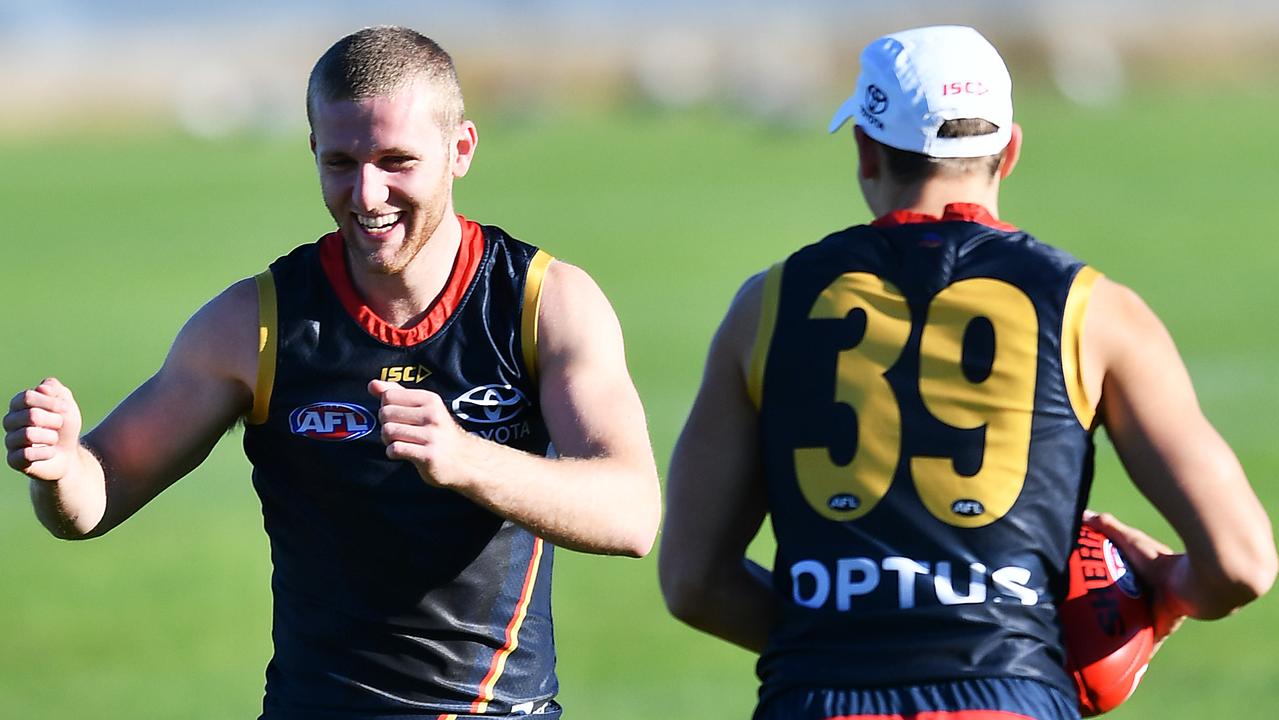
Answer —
(393, 598)
(927, 452)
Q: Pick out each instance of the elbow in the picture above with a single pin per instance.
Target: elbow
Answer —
(638, 541)
(636, 545)
(1246, 576)
(68, 531)
(642, 523)
(683, 602)
(643, 545)
(1253, 573)
(691, 607)
(66, 528)
(1256, 575)
(1224, 596)
(77, 519)
(684, 592)
(621, 536)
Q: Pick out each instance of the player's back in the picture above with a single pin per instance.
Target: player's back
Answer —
(926, 449)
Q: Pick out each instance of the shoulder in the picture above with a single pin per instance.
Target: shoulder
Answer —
(1119, 297)
(230, 309)
(568, 280)
(742, 330)
(576, 325)
(1121, 332)
(1116, 311)
(744, 311)
(572, 307)
(221, 338)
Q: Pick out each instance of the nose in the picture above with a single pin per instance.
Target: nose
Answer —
(370, 191)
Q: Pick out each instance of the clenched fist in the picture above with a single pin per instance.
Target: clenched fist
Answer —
(42, 431)
(418, 427)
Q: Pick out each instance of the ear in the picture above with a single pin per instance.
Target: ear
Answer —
(312, 143)
(1012, 153)
(868, 159)
(465, 138)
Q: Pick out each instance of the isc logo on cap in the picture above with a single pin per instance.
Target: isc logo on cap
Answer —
(331, 421)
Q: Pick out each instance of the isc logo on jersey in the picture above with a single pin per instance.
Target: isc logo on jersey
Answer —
(405, 373)
(331, 421)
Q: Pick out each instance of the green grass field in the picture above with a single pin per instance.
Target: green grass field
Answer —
(110, 242)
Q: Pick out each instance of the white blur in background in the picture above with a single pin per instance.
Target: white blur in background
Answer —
(239, 67)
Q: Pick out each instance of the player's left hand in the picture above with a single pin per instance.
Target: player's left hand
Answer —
(1154, 563)
(417, 427)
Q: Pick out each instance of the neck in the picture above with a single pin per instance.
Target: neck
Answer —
(403, 298)
(931, 196)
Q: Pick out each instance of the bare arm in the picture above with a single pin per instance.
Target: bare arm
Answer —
(163, 430)
(1178, 461)
(716, 498)
(601, 494)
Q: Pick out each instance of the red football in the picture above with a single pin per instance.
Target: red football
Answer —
(1107, 624)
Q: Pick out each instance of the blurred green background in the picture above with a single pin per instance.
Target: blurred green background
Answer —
(114, 234)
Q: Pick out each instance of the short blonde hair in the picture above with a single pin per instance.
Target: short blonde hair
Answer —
(380, 61)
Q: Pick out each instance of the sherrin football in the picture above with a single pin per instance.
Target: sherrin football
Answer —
(1107, 623)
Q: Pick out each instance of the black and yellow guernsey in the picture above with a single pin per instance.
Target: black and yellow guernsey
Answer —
(927, 448)
(394, 599)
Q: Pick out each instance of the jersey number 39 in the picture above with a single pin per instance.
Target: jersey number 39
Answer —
(1000, 400)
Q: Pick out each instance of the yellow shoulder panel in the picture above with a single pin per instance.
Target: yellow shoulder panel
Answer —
(1072, 333)
(764, 334)
(532, 301)
(267, 340)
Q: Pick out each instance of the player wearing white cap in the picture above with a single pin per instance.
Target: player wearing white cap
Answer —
(913, 402)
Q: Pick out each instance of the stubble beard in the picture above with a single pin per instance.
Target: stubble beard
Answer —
(415, 238)
(420, 223)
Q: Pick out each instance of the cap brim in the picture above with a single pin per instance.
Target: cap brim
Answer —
(845, 111)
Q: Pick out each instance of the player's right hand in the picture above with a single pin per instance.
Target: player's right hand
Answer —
(1154, 563)
(42, 431)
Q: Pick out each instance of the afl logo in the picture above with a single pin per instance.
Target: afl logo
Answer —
(844, 502)
(876, 100)
(967, 508)
(489, 404)
(1124, 580)
(331, 421)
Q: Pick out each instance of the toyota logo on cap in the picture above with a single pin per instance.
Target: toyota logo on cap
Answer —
(876, 100)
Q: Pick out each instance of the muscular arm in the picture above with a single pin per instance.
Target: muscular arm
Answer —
(1178, 461)
(163, 430)
(716, 498)
(601, 494)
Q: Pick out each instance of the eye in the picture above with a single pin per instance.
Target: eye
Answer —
(398, 162)
(338, 163)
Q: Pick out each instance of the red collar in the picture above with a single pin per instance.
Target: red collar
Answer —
(333, 260)
(954, 212)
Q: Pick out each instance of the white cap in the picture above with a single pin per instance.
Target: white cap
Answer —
(913, 81)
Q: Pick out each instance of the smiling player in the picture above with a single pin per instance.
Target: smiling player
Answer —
(424, 418)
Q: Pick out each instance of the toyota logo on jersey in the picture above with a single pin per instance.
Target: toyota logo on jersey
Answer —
(489, 404)
(331, 421)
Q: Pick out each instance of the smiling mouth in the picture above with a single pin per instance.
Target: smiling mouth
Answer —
(377, 223)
